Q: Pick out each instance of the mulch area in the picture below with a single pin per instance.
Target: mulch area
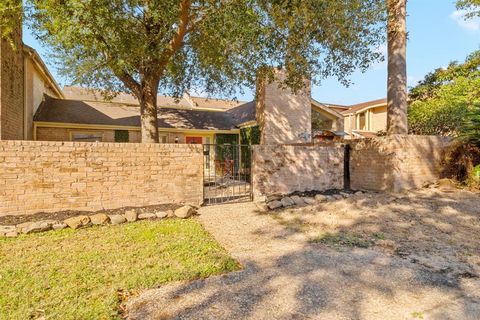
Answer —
(62, 215)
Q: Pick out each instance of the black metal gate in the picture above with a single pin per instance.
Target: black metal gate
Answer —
(227, 173)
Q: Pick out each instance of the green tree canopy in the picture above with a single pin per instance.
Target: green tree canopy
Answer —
(472, 7)
(440, 104)
(143, 46)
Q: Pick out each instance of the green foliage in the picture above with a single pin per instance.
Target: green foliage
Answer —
(434, 81)
(342, 239)
(470, 129)
(118, 44)
(440, 103)
(10, 17)
(122, 136)
(250, 135)
(476, 174)
(472, 7)
(77, 274)
(226, 147)
(141, 46)
(318, 122)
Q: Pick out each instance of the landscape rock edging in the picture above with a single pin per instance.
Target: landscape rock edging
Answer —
(85, 221)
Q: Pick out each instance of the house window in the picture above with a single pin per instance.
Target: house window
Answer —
(87, 136)
(163, 138)
(362, 122)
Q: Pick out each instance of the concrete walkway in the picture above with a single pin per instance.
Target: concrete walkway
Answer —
(286, 277)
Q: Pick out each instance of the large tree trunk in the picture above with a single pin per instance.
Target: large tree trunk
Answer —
(148, 112)
(397, 122)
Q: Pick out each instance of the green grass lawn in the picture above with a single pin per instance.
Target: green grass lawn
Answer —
(76, 274)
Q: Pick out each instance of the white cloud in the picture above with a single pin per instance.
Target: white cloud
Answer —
(471, 24)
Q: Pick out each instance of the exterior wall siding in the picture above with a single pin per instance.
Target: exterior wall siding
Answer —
(35, 89)
(396, 163)
(379, 119)
(54, 176)
(286, 169)
(12, 88)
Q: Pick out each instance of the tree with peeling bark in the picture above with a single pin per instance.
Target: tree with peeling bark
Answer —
(219, 46)
(397, 97)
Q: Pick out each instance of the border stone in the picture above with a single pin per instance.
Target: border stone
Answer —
(185, 212)
(161, 214)
(99, 219)
(117, 219)
(287, 202)
(77, 222)
(131, 215)
(145, 216)
(297, 200)
(275, 204)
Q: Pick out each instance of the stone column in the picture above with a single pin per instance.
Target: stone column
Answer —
(284, 117)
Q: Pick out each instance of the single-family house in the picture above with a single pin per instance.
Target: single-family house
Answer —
(366, 120)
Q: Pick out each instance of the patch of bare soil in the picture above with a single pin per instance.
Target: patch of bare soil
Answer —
(62, 215)
(438, 230)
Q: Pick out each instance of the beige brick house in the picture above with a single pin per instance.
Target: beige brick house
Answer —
(24, 81)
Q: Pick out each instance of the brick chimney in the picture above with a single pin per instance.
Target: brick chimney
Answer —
(284, 117)
(12, 86)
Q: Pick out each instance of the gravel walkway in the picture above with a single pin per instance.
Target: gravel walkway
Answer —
(287, 277)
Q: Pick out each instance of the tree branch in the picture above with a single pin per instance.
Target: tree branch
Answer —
(176, 42)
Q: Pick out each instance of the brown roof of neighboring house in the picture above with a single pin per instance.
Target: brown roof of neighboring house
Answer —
(218, 104)
(120, 114)
(365, 105)
(243, 113)
(186, 101)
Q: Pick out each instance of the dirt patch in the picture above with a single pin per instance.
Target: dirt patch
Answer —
(438, 230)
(62, 215)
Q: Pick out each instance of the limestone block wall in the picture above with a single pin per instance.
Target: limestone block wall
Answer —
(285, 169)
(40, 176)
(396, 163)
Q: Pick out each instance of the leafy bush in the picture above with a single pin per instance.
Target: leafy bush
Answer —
(250, 135)
(470, 129)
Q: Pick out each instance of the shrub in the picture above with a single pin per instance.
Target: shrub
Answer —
(460, 162)
(122, 136)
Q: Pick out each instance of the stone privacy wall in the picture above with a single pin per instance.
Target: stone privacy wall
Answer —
(55, 176)
(286, 169)
(12, 87)
(396, 163)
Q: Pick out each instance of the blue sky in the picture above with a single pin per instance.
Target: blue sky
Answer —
(438, 34)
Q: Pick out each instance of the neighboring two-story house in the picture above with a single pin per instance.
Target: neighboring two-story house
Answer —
(366, 120)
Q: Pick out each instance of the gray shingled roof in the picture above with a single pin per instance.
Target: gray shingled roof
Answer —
(118, 114)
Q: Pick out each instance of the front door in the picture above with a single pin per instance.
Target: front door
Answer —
(193, 140)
